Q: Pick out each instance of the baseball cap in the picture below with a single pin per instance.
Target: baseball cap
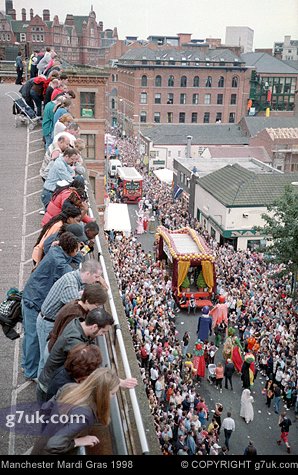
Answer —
(78, 231)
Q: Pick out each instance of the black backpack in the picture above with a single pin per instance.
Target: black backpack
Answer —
(11, 313)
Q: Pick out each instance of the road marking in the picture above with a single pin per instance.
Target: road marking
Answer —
(32, 234)
(34, 193)
(36, 140)
(38, 150)
(15, 369)
(35, 211)
(34, 177)
(35, 163)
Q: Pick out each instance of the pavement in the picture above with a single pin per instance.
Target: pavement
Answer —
(21, 152)
(264, 430)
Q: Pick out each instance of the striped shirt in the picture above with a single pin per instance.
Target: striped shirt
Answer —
(66, 289)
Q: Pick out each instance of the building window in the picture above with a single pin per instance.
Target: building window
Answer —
(143, 116)
(221, 81)
(181, 178)
(144, 81)
(196, 81)
(170, 98)
(198, 215)
(170, 117)
(233, 99)
(89, 151)
(157, 99)
(235, 81)
(195, 98)
(87, 104)
(208, 81)
(219, 98)
(181, 117)
(212, 232)
(232, 117)
(113, 104)
(183, 81)
(179, 155)
(206, 117)
(218, 117)
(194, 117)
(207, 99)
(158, 81)
(22, 37)
(157, 117)
(182, 98)
(143, 98)
(171, 81)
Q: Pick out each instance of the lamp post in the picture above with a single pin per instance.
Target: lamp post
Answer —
(139, 133)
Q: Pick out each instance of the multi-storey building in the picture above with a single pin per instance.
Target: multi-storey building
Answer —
(240, 36)
(273, 83)
(194, 84)
(80, 39)
(286, 50)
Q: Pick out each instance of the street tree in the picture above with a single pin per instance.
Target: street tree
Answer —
(281, 231)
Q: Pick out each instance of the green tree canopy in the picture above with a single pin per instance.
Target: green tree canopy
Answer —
(281, 229)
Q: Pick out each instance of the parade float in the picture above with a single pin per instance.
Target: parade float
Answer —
(190, 262)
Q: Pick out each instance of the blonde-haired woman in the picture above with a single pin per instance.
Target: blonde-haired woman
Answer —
(62, 123)
(77, 407)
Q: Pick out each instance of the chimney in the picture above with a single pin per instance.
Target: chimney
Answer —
(184, 38)
(31, 14)
(46, 15)
(69, 20)
(13, 14)
(8, 6)
(24, 14)
(188, 146)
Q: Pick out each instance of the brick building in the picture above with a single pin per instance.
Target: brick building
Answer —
(190, 84)
(88, 109)
(80, 39)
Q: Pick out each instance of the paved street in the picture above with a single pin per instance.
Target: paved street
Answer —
(21, 152)
(264, 430)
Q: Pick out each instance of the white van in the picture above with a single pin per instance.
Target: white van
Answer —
(113, 167)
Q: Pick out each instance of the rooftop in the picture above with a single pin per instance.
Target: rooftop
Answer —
(264, 63)
(248, 151)
(256, 124)
(283, 133)
(204, 166)
(234, 186)
(202, 134)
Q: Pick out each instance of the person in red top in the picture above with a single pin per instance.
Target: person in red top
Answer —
(219, 374)
(73, 193)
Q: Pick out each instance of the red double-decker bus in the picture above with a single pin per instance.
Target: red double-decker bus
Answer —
(130, 183)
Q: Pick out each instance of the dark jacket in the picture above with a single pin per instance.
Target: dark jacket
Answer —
(72, 335)
(60, 378)
(59, 438)
(229, 370)
(53, 266)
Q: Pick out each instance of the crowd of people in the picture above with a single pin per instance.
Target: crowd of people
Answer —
(57, 317)
(63, 299)
(260, 309)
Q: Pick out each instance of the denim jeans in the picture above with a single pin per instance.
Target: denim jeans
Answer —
(37, 101)
(43, 328)
(48, 140)
(30, 358)
(276, 404)
(46, 197)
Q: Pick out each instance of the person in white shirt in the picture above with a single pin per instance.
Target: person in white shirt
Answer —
(228, 424)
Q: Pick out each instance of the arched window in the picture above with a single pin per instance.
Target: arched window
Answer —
(209, 81)
(158, 81)
(196, 81)
(221, 81)
(183, 81)
(113, 77)
(171, 81)
(235, 81)
(144, 81)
